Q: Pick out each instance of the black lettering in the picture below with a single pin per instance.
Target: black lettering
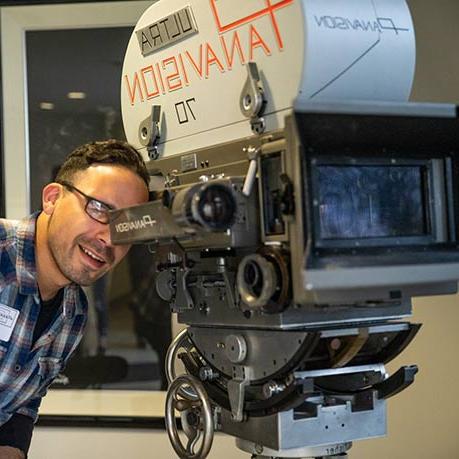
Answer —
(189, 107)
(163, 22)
(157, 36)
(189, 25)
(341, 23)
(145, 41)
(329, 22)
(319, 21)
(182, 117)
(391, 25)
(375, 27)
(357, 25)
(183, 110)
(177, 27)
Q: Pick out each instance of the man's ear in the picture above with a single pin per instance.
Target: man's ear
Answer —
(50, 195)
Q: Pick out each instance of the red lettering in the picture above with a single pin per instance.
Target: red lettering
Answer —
(172, 76)
(275, 25)
(185, 76)
(145, 71)
(160, 78)
(193, 63)
(269, 10)
(256, 42)
(212, 59)
(132, 90)
(235, 45)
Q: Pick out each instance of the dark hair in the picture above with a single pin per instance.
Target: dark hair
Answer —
(115, 152)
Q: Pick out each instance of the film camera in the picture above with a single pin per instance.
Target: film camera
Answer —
(294, 294)
(292, 253)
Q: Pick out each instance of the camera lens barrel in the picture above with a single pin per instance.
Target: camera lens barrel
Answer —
(211, 205)
(256, 281)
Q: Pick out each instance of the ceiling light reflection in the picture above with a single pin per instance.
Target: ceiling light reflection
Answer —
(76, 95)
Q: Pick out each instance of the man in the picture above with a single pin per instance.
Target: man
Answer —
(44, 259)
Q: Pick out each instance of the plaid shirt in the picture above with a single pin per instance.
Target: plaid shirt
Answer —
(27, 370)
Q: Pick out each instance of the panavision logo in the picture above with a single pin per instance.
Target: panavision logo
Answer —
(378, 24)
(144, 222)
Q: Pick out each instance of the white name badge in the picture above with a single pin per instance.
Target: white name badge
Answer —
(8, 318)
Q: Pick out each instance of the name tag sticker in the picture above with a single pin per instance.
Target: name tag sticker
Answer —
(8, 318)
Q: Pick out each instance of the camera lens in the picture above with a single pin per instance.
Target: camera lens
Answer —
(213, 206)
(256, 281)
(253, 277)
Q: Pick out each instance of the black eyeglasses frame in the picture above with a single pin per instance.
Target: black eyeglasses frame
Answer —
(105, 207)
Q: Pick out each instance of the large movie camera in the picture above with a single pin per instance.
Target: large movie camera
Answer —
(291, 241)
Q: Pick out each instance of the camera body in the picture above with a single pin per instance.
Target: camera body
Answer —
(294, 213)
(294, 288)
(348, 218)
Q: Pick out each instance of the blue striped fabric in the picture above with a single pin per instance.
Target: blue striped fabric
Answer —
(26, 371)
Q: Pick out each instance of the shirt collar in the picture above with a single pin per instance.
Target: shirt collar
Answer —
(26, 271)
(74, 301)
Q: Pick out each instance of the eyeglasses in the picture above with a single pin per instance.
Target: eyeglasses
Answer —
(96, 209)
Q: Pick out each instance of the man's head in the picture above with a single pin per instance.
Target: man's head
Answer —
(73, 236)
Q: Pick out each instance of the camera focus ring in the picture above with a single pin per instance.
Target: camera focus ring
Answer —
(256, 281)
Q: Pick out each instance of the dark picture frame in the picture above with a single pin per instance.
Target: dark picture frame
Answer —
(93, 405)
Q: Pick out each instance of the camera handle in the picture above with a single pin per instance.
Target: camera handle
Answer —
(196, 417)
(180, 342)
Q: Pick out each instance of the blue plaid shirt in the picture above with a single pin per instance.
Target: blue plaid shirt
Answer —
(27, 370)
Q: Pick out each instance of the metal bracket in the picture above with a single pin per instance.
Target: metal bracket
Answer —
(229, 279)
(252, 101)
(183, 299)
(236, 394)
(399, 381)
(252, 154)
(149, 131)
(231, 292)
(172, 286)
(351, 348)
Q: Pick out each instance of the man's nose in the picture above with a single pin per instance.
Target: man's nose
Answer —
(104, 236)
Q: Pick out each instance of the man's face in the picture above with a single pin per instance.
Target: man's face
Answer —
(81, 246)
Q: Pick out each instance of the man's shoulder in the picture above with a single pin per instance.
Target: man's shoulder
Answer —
(8, 229)
(8, 249)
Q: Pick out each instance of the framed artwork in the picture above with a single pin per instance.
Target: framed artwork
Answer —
(68, 61)
(2, 189)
